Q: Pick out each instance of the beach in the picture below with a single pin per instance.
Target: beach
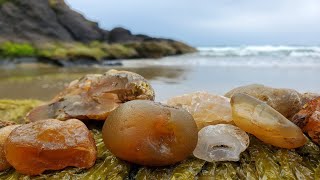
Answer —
(214, 69)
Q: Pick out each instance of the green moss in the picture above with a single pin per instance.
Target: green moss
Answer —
(153, 49)
(10, 49)
(11, 110)
(119, 51)
(3, 1)
(71, 51)
(95, 50)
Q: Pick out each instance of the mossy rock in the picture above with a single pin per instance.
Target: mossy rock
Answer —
(153, 49)
(259, 161)
(10, 49)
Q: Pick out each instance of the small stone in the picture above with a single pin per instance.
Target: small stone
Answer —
(4, 133)
(222, 142)
(286, 101)
(50, 145)
(258, 118)
(206, 109)
(308, 119)
(94, 96)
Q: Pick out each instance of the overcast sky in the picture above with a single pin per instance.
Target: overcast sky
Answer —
(212, 22)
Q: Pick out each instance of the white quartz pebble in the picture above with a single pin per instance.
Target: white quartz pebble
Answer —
(222, 142)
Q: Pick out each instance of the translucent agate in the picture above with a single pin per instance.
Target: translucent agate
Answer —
(222, 142)
(4, 133)
(286, 101)
(50, 145)
(206, 109)
(149, 133)
(261, 120)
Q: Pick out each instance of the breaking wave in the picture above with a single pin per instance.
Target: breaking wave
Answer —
(276, 51)
(247, 56)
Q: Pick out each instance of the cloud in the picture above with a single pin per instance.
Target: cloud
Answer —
(207, 22)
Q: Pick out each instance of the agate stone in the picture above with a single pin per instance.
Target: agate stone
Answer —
(4, 133)
(222, 142)
(149, 133)
(94, 96)
(258, 118)
(308, 119)
(50, 145)
(286, 101)
(206, 109)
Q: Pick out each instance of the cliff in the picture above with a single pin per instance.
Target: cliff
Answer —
(51, 29)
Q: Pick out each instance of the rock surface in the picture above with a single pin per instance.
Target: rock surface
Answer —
(206, 109)
(40, 21)
(222, 142)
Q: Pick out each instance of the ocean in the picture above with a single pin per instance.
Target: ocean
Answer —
(213, 69)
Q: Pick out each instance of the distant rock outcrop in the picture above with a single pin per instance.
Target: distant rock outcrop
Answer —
(51, 30)
(39, 21)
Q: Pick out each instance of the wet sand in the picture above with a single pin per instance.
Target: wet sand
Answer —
(43, 81)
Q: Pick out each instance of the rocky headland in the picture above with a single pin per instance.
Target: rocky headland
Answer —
(50, 31)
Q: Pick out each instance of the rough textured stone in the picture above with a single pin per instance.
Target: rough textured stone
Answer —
(50, 145)
(222, 142)
(258, 118)
(206, 109)
(286, 101)
(94, 96)
(308, 119)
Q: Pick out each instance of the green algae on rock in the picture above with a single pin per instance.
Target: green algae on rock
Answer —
(15, 110)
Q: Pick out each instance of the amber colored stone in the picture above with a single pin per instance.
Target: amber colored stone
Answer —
(258, 118)
(206, 109)
(4, 133)
(286, 101)
(149, 133)
(50, 145)
(308, 119)
(94, 96)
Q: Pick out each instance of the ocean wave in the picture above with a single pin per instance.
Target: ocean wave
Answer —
(245, 51)
(197, 60)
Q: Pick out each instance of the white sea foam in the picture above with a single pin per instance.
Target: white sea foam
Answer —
(261, 51)
(244, 56)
